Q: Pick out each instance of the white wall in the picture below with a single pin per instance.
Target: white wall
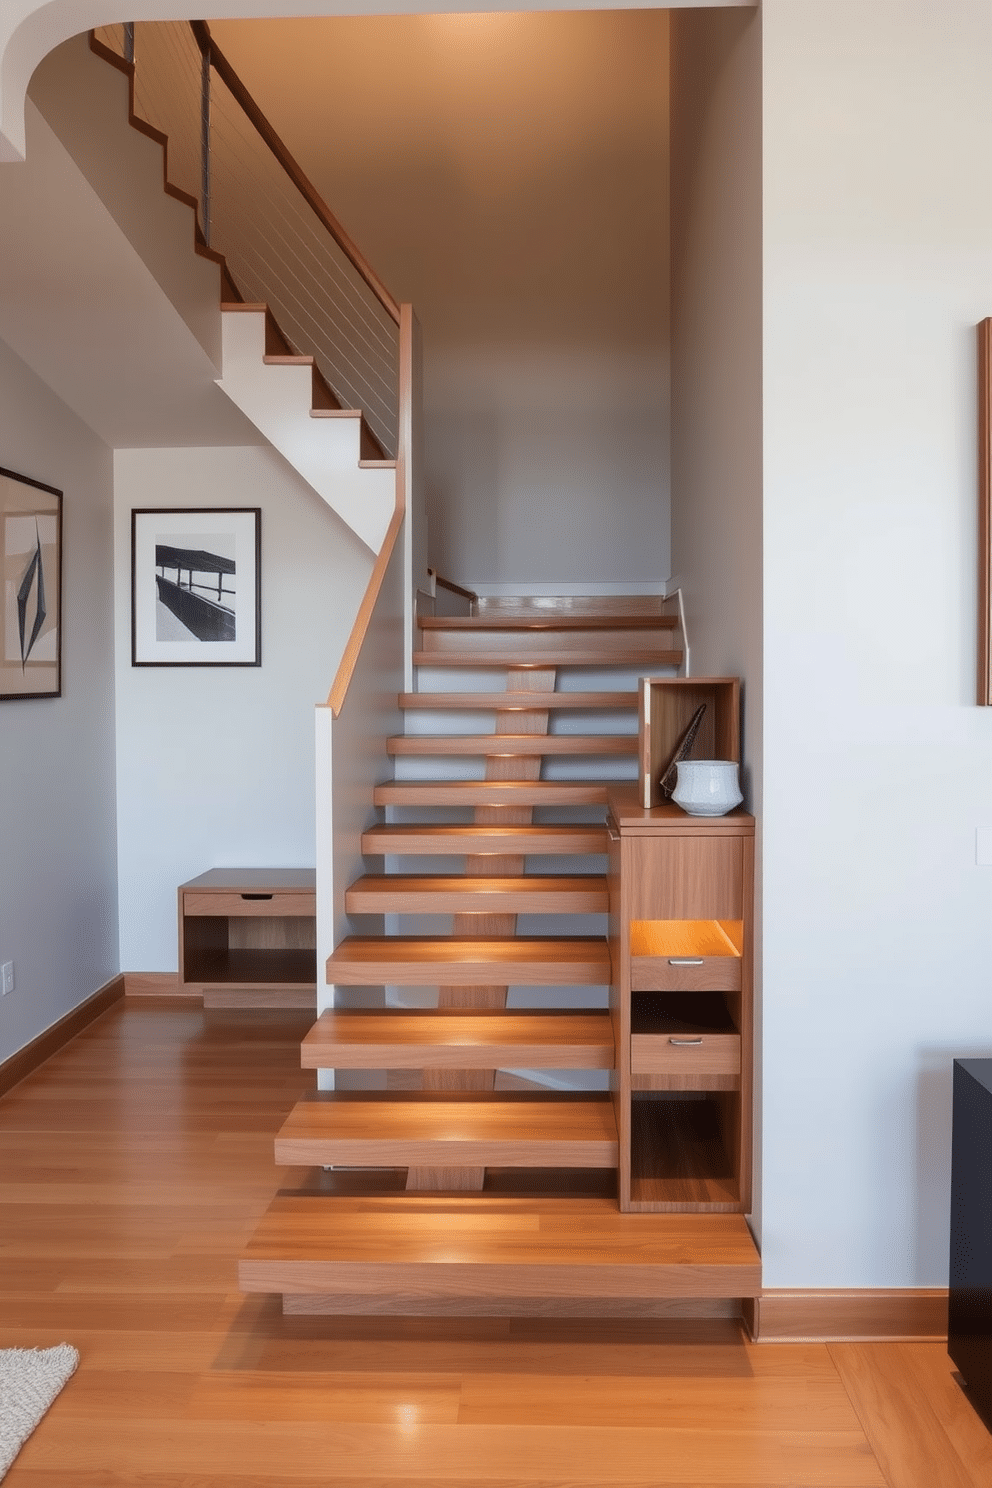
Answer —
(58, 889)
(215, 764)
(716, 377)
(878, 767)
(508, 176)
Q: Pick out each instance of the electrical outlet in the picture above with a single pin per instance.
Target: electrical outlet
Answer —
(8, 977)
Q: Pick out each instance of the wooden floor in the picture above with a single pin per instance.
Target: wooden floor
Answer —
(133, 1167)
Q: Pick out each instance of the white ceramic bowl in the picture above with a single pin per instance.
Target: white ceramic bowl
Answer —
(708, 787)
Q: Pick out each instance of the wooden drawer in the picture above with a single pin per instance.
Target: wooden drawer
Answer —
(276, 904)
(685, 1053)
(685, 974)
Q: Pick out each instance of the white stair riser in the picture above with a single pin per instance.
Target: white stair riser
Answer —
(325, 451)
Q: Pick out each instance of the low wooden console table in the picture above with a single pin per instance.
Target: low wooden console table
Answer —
(247, 937)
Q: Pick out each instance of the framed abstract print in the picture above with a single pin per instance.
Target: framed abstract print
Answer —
(31, 618)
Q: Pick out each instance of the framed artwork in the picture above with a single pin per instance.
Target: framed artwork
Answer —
(196, 586)
(31, 619)
(985, 514)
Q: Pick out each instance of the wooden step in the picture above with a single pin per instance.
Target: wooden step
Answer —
(457, 840)
(489, 1255)
(586, 656)
(386, 1039)
(491, 793)
(449, 1131)
(539, 702)
(403, 893)
(516, 744)
(464, 961)
(473, 624)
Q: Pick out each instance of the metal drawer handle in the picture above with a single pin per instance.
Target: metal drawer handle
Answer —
(256, 896)
(685, 1043)
(685, 960)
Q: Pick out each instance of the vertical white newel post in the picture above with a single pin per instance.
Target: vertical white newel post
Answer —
(412, 496)
(324, 764)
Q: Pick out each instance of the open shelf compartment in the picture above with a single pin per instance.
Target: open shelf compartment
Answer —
(666, 708)
(681, 1152)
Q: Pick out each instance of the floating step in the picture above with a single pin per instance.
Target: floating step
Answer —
(539, 702)
(488, 1255)
(464, 961)
(516, 744)
(384, 1039)
(436, 894)
(473, 624)
(410, 1129)
(554, 658)
(455, 840)
(491, 793)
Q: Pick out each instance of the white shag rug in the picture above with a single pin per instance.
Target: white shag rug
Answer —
(30, 1379)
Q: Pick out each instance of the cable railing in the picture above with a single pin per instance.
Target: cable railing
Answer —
(281, 243)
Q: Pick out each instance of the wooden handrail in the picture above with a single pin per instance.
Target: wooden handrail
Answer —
(227, 74)
(454, 588)
(352, 650)
(349, 659)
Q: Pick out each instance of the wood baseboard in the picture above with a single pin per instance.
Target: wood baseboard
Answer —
(785, 1316)
(34, 1054)
(157, 984)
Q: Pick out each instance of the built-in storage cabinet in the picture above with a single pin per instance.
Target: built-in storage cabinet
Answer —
(247, 937)
(681, 890)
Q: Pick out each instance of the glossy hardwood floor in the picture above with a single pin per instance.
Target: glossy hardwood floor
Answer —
(133, 1168)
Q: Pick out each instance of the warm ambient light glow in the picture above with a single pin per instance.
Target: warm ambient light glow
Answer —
(686, 937)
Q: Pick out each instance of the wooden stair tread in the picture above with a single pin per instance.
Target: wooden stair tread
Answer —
(491, 792)
(501, 1131)
(453, 839)
(553, 658)
(504, 744)
(404, 893)
(384, 1039)
(546, 621)
(485, 1246)
(464, 961)
(539, 702)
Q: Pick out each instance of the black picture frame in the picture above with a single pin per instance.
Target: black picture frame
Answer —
(196, 586)
(31, 610)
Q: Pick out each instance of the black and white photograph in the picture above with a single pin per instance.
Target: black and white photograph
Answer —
(31, 560)
(195, 587)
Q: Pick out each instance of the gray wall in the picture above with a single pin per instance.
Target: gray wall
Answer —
(717, 436)
(58, 855)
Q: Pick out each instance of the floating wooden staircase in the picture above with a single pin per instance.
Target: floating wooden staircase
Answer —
(466, 1159)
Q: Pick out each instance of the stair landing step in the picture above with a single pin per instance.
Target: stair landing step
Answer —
(491, 1254)
(601, 657)
(464, 961)
(383, 1039)
(457, 840)
(527, 701)
(445, 1131)
(403, 893)
(489, 620)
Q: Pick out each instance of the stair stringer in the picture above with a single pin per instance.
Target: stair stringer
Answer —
(325, 451)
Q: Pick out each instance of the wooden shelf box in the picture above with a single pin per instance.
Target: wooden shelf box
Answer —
(666, 708)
